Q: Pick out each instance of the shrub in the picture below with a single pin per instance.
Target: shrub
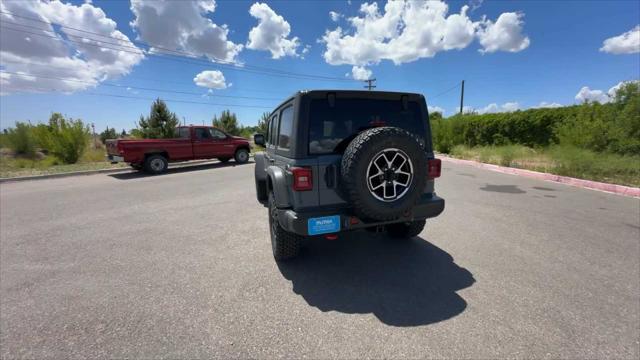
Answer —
(20, 139)
(67, 139)
(612, 127)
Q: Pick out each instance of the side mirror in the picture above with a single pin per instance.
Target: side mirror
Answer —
(258, 139)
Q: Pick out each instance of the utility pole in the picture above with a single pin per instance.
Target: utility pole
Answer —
(93, 130)
(370, 85)
(462, 98)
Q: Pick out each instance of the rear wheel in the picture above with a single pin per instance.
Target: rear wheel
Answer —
(406, 230)
(155, 164)
(285, 245)
(242, 156)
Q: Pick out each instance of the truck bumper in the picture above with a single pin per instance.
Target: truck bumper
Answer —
(114, 158)
(297, 222)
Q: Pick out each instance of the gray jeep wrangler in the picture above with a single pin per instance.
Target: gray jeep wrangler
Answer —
(345, 160)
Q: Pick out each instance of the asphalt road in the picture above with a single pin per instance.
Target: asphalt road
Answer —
(180, 266)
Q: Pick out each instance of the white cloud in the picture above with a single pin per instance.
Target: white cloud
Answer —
(495, 108)
(545, 104)
(361, 73)
(405, 31)
(183, 26)
(627, 43)
(434, 108)
(503, 35)
(475, 4)
(271, 33)
(335, 16)
(82, 61)
(212, 79)
(587, 95)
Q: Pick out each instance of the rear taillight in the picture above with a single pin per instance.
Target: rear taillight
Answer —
(302, 179)
(433, 168)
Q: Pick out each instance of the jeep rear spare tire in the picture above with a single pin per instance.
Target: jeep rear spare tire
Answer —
(384, 172)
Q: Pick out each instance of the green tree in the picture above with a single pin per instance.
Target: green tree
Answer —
(262, 123)
(108, 134)
(160, 123)
(227, 122)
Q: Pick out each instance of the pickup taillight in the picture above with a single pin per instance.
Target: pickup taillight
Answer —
(119, 148)
(434, 167)
(302, 179)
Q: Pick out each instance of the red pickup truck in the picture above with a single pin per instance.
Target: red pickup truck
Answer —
(190, 143)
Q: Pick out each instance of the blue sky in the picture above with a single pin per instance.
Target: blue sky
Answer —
(547, 53)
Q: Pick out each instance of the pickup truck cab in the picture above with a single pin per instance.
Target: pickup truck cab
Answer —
(339, 160)
(190, 143)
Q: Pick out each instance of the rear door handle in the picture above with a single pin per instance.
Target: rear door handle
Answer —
(330, 176)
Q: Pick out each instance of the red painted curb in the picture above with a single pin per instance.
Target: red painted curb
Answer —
(587, 184)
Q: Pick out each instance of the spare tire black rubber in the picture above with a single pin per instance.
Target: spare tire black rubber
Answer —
(369, 154)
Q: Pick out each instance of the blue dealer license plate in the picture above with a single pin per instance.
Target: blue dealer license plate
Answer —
(323, 225)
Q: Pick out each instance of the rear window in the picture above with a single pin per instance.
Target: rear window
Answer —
(183, 133)
(332, 128)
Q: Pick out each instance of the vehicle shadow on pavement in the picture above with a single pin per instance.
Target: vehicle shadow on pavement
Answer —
(402, 282)
(176, 170)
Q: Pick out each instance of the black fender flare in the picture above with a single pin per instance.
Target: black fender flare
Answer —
(277, 180)
(261, 177)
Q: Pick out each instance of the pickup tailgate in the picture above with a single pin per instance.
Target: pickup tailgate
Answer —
(112, 147)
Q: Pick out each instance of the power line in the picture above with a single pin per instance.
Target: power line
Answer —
(153, 99)
(130, 77)
(444, 92)
(178, 59)
(135, 87)
(220, 62)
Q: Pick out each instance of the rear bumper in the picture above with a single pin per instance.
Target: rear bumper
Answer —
(296, 222)
(115, 158)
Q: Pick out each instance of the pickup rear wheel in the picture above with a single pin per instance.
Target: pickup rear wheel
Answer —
(155, 164)
(285, 245)
(241, 156)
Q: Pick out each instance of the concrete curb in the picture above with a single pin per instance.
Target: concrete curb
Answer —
(94, 172)
(586, 184)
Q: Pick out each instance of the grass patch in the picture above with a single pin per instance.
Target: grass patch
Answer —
(92, 159)
(560, 160)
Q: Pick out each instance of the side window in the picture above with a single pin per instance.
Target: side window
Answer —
(203, 134)
(286, 128)
(273, 130)
(217, 134)
(183, 133)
